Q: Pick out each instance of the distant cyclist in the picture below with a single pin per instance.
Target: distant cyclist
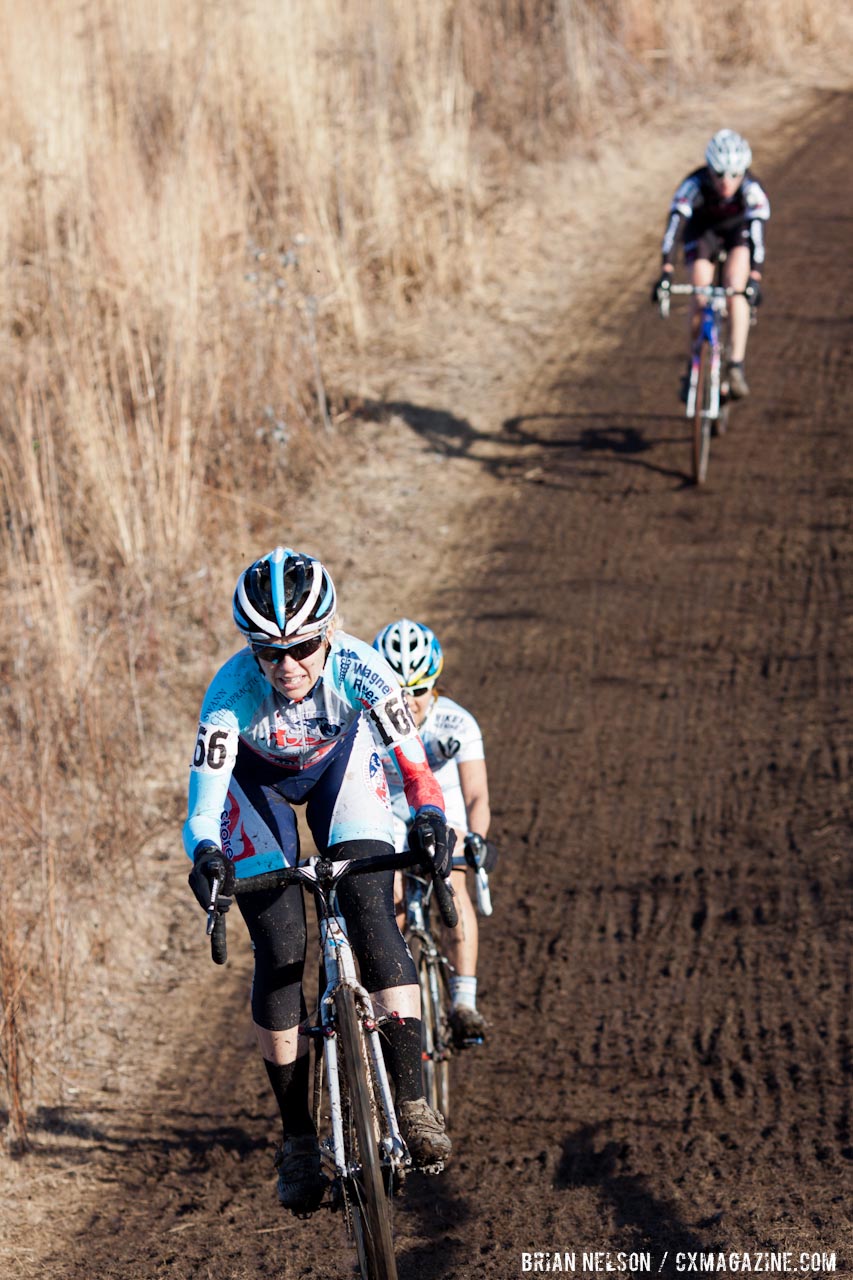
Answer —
(290, 719)
(454, 747)
(720, 207)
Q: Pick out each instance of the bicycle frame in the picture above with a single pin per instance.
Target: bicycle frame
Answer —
(321, 876)
(707, 398)
(417, 925)
(433, 970)
(365, 1147)
(714, 310)
(339, 968)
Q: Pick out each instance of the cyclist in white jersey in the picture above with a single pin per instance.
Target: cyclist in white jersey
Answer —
(296, 717)
(454, 748)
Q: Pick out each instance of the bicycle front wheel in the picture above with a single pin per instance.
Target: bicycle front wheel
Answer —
(364, 1185)
(435, 1050)
(702, 421)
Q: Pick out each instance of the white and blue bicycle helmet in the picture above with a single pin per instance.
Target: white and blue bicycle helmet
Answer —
(283, 598)
(728, 152)
(412, 650)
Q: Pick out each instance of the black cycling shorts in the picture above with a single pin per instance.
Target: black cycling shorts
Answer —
(710, 244)
(276, 922)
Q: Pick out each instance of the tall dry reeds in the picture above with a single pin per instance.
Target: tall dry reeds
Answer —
(201, 202)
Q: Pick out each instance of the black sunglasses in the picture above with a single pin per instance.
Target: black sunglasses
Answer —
(274, 653)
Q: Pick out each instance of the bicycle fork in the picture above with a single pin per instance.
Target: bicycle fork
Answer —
(340, 971)
(708, 333)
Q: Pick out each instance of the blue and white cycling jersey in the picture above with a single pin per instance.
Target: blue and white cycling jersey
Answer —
(451, 736)
(247, 724)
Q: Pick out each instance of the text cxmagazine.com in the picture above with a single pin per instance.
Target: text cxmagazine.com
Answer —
(727, 1262)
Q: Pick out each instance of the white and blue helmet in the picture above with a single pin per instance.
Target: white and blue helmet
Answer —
(412, 650)
(728, 152)
(283, 598)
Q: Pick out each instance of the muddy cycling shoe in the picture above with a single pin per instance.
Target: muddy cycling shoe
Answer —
(300, 1183)
(468, 1026)
(738, 386)
(423, 1133)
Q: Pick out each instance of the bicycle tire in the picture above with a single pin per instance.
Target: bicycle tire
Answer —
(435, 1067)
(701, 417)
(723, 419)
(364, 1186)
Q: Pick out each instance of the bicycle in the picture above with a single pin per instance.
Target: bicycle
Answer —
(708, 393)
(363, 1155)
(434, 970)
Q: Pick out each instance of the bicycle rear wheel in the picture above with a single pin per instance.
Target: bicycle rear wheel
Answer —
(702, 421)
(364, 1185)
(435, 1051)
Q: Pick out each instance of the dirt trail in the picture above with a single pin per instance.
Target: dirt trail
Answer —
(668, 972)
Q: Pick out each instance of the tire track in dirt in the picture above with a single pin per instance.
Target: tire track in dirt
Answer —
(693, 966)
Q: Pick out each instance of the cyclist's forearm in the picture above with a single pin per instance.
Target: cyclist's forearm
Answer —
(757, 243)
(473, 780)
(416, 776)
(671, 237)
(479, 814)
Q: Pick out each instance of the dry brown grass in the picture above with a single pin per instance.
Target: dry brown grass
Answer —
(201, 203)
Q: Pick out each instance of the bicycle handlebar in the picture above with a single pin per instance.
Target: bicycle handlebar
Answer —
(714, 290)
(440, 887)
(321, 872)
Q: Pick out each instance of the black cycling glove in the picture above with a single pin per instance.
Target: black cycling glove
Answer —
(661, 286)
(480, 852)
(753, 292)
(209, 862)
(428, 820)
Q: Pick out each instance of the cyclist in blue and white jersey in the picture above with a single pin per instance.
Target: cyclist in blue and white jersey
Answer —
(720, 207)
(295, 717)
(454, 747)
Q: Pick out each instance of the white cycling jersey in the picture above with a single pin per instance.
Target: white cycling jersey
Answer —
(451, 736)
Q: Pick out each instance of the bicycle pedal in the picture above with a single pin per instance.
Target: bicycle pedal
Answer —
(467, 1042)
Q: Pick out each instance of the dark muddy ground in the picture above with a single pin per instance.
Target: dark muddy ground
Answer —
(664, 679)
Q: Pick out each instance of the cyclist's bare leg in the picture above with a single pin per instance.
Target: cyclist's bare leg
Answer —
(461, 942)
(403, 1000)
(736, 276)
(399, 900)
(281, 1047)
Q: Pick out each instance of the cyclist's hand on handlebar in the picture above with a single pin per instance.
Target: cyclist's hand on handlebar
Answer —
(753, 292)
(480, 852)
(210, 863)
(429, 819)
(661, 287)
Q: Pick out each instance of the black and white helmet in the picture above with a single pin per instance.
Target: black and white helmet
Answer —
(728, 152)
(412, 650)
(284, 597)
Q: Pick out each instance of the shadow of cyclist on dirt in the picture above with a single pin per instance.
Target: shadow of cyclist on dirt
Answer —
(654, 1222)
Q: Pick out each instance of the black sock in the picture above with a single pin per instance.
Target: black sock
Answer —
(401, 1047)
(290, 1086)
